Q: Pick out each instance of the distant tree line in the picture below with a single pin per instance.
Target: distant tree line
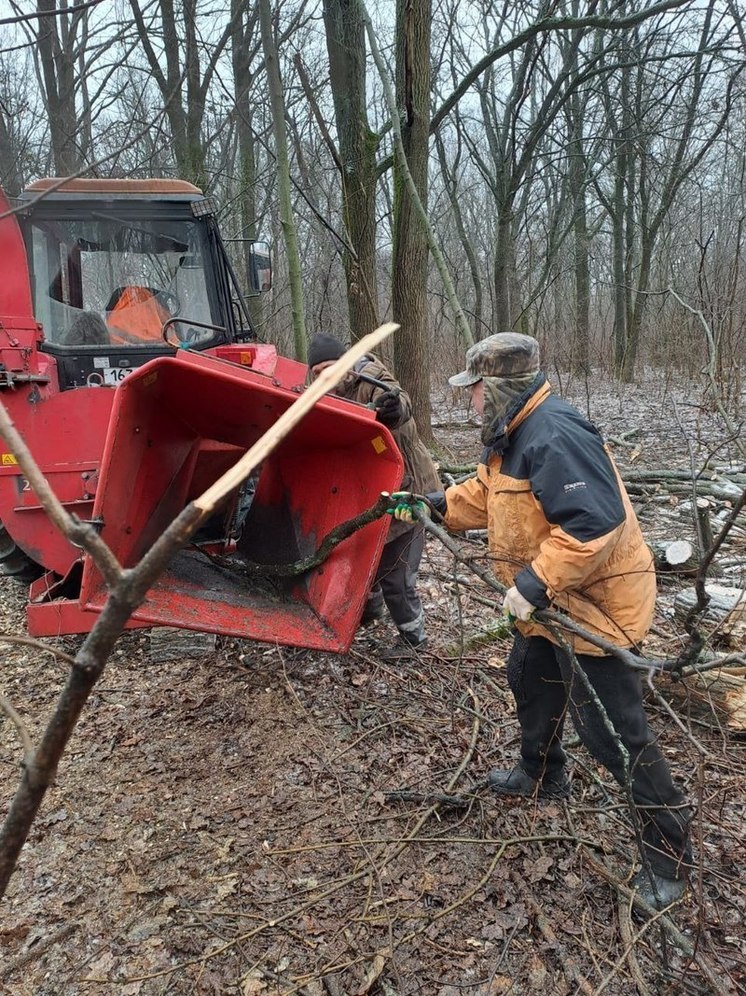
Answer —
(578, 161)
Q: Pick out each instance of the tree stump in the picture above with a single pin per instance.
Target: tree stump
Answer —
(678, 557)
(704, 526)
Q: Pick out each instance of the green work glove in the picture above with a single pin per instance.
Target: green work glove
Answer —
(405, 504)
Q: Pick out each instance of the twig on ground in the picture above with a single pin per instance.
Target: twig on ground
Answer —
(628, 954)
(701, 749)
(38, 949)
(663, 919)
(570, 968)
(28, 641)
(28, 748)
(453, 801)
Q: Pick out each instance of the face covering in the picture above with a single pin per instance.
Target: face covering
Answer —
(500, 397)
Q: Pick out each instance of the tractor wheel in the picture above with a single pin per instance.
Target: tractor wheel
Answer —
(13, 561)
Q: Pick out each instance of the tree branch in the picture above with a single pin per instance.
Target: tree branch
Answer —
(542, 27)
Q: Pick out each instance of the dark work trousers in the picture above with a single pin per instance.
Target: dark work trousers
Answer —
(396, 584)
(545, 685)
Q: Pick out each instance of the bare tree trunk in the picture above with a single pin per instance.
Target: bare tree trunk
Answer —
(277, 103)
(503, 269)
(627, 369)
(242, 51)
(345, 42)
(619, 221)
(194, 163)
(11, 179)
(409, 289)
(580, 354)
(57, 56)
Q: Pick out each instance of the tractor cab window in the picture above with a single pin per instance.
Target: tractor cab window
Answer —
(106, 280)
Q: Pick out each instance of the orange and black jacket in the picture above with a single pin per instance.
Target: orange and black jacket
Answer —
(559, 521)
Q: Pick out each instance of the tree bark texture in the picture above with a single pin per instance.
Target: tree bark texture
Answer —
(409, 289)
(242, 51)
(580, 356)
(11, 179)
(277, 103)
(56, 50)
(358, 144)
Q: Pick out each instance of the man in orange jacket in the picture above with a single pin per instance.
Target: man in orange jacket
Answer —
(562, 532)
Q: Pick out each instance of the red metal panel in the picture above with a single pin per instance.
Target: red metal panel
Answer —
(63, 616)
(66, 434)
(167, 418)
(260, 356)
(15, 287)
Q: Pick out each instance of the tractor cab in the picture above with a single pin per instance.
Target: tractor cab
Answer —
(124, 271)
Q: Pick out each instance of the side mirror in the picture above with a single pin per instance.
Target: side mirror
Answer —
(260, 267)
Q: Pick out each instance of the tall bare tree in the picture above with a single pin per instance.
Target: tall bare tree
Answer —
(410, 249)
(357, 151)
(277, 103)
(659, 100)
(183, 83)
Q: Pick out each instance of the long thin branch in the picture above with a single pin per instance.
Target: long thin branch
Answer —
(544, 26)
(680, 940)
(28, 641)
(38, 15)
(329, 543)
(550, 616)
(701, 749)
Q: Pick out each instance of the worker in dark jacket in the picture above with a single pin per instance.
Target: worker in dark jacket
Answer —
(396, 579)
(562, 533)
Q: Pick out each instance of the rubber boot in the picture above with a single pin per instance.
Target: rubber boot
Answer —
(658, 892)
(372, 613)
(403, 649)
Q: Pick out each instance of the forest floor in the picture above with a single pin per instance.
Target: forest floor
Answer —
(222, 825)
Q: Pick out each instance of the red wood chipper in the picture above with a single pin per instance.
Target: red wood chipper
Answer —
(129, 363)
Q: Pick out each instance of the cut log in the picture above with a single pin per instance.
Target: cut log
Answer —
(168, 643)
(726, 610)
(717, 696)
(678, 557)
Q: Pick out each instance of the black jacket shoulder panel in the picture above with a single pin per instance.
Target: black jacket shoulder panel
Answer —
(563, 457)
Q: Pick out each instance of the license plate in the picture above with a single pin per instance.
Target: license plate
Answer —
(115, 375)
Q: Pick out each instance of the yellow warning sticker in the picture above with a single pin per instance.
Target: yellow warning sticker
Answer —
(378, 444)
(9, 460)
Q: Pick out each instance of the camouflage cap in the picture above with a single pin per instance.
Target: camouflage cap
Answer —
(507, 354)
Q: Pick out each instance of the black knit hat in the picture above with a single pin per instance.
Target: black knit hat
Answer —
(323, 347)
